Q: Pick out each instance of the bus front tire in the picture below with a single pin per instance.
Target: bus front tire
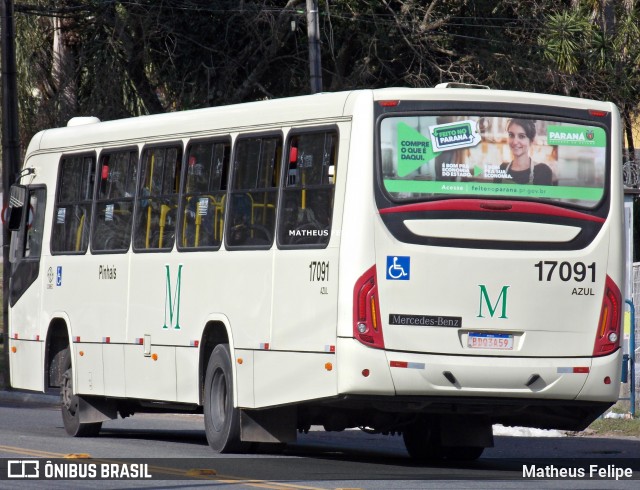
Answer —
(221, 418)
(70, 406)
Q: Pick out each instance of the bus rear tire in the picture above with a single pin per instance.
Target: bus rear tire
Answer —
(422, 440)
(463, 453)
(70, 406)
(221, 418)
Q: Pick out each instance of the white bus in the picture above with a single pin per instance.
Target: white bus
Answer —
(424, 262)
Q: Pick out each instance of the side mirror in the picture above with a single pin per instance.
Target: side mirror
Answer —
(17, 199)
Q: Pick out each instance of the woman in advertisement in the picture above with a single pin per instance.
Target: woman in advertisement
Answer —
(522, 169)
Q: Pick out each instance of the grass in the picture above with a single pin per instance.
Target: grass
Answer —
(625, 427)
(614, 428)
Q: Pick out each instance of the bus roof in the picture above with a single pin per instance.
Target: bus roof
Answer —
(277, 112)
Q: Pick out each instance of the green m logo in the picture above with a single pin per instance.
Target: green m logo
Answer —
(484, 300)
(172, 301)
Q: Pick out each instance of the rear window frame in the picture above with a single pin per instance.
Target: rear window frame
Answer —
(385, 199)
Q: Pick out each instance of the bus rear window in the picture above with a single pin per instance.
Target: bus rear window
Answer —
(493, 156)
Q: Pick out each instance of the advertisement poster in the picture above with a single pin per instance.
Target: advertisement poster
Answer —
(493, 156)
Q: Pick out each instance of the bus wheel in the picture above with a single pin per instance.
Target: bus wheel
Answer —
(71, 403)
(422, 440)
(221, 418)
(463, 453)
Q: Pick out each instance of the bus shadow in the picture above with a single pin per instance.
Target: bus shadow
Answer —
(196, 437)
(320, 457)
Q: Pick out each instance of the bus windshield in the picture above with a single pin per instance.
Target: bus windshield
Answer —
(506, 156)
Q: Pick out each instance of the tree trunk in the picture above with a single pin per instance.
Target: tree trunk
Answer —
(63, 71)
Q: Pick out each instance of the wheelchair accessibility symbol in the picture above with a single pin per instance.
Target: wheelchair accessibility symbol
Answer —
(398, 268)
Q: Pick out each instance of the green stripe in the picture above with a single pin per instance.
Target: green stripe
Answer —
(492, 189)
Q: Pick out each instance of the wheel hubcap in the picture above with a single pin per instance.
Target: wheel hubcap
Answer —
(219, 400)
(66, 394)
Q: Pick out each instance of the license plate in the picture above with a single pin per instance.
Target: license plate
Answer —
(501, 341)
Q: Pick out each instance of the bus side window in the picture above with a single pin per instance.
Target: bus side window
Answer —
(114, 201)
(254, 192)
(26, 244)
(35, 223)
(307, 199)
(203, 201)
(74, 196)
(26, 241)
(156, 213)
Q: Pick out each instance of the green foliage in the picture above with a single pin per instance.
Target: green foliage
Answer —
(143, 56)
(594, 51)
(564, 39)
(371, 43)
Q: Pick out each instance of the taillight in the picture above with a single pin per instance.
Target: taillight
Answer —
(367, 325)
(608, 333)
(597, 113)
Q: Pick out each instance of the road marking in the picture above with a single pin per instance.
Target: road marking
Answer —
(197, 473)
(31, 452)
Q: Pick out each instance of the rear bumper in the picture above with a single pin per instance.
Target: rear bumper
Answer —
(523, 390)
(543, 414)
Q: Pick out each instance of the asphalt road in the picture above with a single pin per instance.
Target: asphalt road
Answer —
(176, 453)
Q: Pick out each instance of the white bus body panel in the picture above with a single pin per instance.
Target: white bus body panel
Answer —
(187, 359)
(452, 282)
(488, 376)
(26, 364)
(142, 373)
(305, 303)
(357, 234)
(114, 370)
(89, 374)
(605, 367)
(27, 321)
(475, 376)
(363, 371)
(286, 376)
(244, 377)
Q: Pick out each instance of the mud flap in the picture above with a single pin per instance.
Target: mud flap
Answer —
(94, 409)
(269, 425)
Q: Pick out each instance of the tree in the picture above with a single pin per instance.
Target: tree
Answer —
(497, 39)
(592, 50)
(118, 58)
(377, 43)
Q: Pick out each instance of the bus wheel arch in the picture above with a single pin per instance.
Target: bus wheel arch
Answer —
(214, 334)
(56, 342)
(72, 405)
(82, 416)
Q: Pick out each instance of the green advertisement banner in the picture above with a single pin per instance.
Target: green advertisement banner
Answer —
(414, 150)
(491, 189)
(576, 136)
(451, 136)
